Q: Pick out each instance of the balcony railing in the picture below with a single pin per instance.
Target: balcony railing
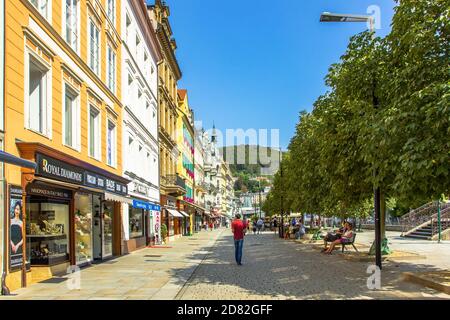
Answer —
(176, 180)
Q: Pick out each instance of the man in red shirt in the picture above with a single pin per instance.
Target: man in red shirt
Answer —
(238, 228)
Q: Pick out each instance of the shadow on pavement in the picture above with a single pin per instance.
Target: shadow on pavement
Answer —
(275, 268)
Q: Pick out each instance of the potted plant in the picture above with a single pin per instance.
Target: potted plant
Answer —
(164, 233)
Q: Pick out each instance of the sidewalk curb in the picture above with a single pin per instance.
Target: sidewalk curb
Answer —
(425, 281)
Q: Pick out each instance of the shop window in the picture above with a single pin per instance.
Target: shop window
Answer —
(83, 228)
(136, 217)
(47, 231)
(71, 121)
(39, 96)
(94, 132)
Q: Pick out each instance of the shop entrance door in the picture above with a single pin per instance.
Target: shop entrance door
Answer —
(97, 233)
(107, 229)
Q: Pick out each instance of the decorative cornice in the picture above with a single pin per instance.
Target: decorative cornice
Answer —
(169, 54)
(38, 42)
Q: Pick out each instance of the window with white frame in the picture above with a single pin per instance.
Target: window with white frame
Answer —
(131, 156)
(128, 27)
(138, 46)
(111, 75)
(111, 10)
(38, 96)
(71, 123)
(71, 23)
(94, 133)
(94, 47)
(139, 97)
(130, 87)
(43, 6)
(148, 166)
(111, 144)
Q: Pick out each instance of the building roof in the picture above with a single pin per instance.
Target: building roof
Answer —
(182, 93)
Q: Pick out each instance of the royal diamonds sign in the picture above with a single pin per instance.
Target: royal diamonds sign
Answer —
(55, 169)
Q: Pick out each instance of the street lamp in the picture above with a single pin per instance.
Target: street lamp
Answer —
(339, 17)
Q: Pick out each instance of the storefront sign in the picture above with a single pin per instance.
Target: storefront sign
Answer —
(145, 205)
(52, 168)
(15, 228)
(48, 191)
(140, 188)
(171, 203)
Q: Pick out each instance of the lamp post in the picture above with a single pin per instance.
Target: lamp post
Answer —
(281, 234)
(339, 17)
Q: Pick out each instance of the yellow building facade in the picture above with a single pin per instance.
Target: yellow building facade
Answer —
(63, 111)
(186, 169)
(169, 72)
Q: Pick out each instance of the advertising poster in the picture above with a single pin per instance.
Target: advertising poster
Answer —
(157, 227)
(15, 228)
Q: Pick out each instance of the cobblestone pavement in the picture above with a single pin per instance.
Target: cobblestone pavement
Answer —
(203, 267)
(279, 269)
(147, 274)
(435, 254)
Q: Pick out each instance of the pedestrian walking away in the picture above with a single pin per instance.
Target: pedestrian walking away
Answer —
(259, 225)
(275, 225)
(238, 227)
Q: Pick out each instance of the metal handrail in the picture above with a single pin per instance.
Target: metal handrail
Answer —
(420, 216)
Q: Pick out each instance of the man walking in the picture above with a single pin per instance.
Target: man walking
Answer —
(238, 228)
(259, 225)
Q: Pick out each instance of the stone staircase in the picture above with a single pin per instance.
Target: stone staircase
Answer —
(422, 223)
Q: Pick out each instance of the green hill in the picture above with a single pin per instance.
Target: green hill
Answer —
(251, 159)
(252, 166)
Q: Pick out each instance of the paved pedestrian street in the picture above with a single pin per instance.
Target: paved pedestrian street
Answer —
(279, 269)
(203, 267)
(147, 274)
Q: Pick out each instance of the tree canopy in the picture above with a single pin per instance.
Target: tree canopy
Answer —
(383, 123)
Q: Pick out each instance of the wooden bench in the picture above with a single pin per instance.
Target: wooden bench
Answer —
(352, 243)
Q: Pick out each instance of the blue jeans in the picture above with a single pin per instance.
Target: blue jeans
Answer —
(238, 245)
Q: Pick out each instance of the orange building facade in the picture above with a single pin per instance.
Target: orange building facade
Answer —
(63, 111)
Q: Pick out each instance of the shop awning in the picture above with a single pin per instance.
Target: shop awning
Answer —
(11, 159)
(175, 213)
(117, 198)
(184, 214)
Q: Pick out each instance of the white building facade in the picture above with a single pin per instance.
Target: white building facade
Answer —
(140, 56)
(201, 187)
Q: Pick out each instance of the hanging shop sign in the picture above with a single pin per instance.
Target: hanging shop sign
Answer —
(15, 228)
(55, 169)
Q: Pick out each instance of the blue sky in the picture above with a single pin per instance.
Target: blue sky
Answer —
(258, 63)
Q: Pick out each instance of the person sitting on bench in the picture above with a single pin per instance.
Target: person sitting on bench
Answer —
(331, 237)
(345, 238)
